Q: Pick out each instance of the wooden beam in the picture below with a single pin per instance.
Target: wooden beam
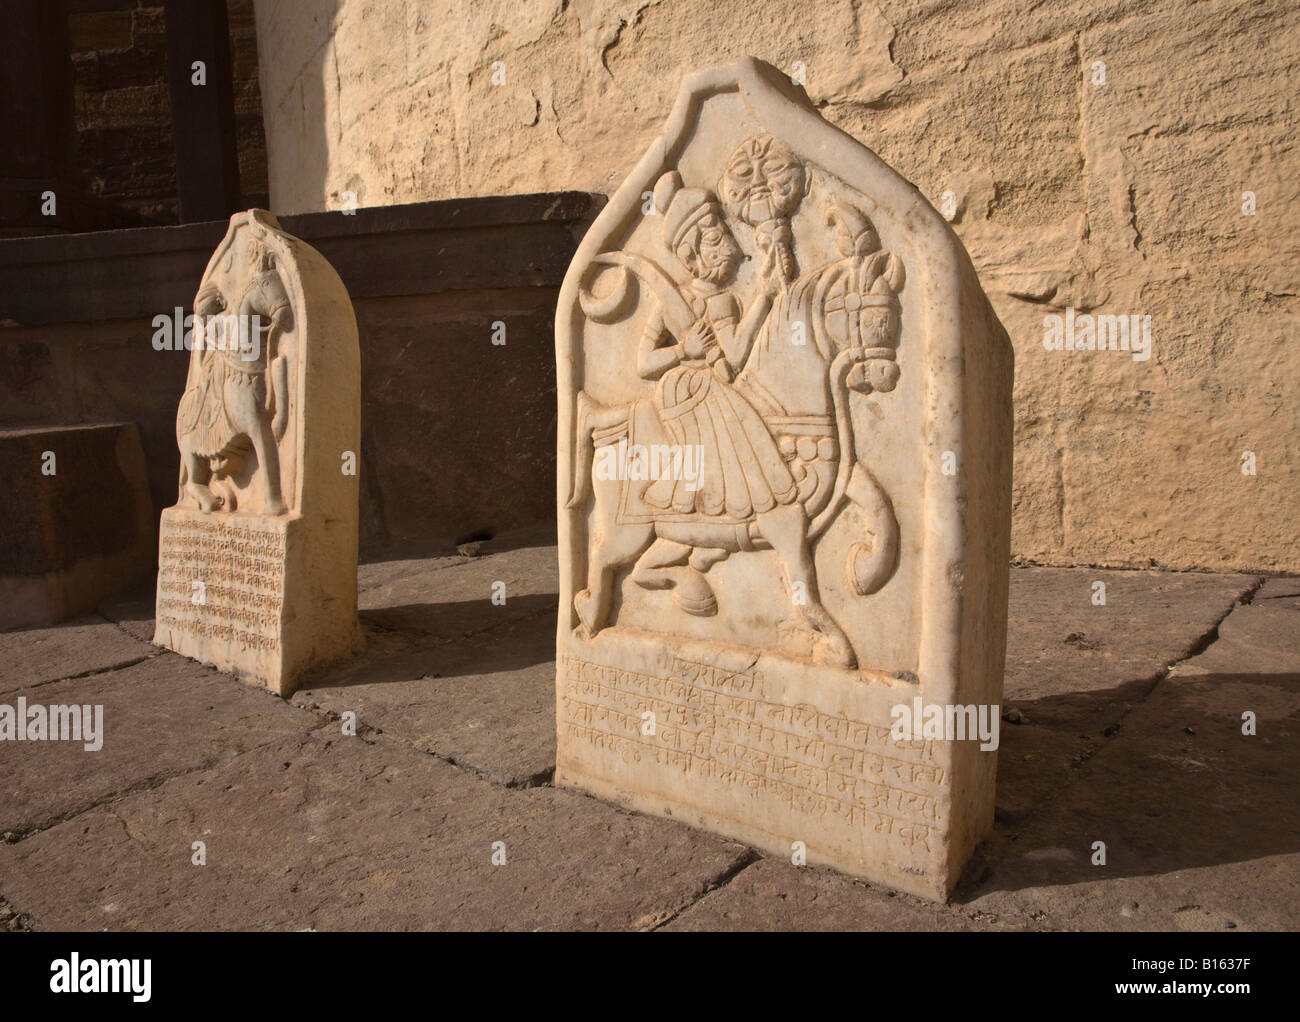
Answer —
(35, 117)
(203, 116)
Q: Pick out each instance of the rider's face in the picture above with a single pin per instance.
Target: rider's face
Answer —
(719, 255)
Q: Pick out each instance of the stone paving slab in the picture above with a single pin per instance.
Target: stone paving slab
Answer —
(1257, 895)
(1196, 816)
(452, 597)
(1074, 669)
(163, 716)
(1279, 589)
(35, 656)
(306, 827)
(487, 702)
(328, 832)
(449, 670)
(774, 895)
(133, 612)
(1063, 648)
(1265, 632)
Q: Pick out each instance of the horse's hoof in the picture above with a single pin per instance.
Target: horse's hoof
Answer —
(796, 642)
(835, 651)
(704, 605)
(276, 507)
(585, 607)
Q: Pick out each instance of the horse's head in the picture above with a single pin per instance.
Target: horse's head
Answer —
(861, 303)
(875, 366)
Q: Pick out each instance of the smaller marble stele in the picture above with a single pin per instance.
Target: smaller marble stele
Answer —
(257, 560)
(784, 496)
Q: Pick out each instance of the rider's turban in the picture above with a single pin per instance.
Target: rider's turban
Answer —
(681, 207)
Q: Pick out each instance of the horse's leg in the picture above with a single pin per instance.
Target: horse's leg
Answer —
(250, 416)
(612, 546)
(705, 557)
(589, 415)
(786, 528)
(664, 566)
(268, 456)
(197, 476)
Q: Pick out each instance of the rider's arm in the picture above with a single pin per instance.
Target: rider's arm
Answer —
(725, 313)
(743, 339)
(653, 356)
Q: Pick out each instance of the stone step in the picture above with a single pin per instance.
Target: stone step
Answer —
(76, 521)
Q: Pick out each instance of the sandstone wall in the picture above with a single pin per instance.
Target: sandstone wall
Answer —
(1120, 196)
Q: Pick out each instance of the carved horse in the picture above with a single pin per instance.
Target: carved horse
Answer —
(232, 407)
(831, 331)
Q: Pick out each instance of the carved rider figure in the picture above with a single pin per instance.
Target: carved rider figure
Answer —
(741, 470)
(240, 396)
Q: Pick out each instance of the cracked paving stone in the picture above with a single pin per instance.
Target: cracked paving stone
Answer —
(487, 702)
(307, 828)
(34, 656)
(162, 716)
(1074, 670)
(1191, 810)
(329, 832)
(773, 895)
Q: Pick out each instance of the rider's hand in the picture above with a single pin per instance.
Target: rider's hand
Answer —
(772, 237)
(699, 340)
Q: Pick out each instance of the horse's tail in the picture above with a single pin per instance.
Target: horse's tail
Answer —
(870, 567)
(583, 451)
(595, 425)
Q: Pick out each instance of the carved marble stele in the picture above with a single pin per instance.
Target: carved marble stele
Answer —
(784, 494)
(257, 560)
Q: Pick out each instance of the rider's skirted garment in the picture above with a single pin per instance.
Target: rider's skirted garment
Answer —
(741, 472)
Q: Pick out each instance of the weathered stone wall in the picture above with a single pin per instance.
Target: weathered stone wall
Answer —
(122, 127)
(1122, 197)
(122, 117)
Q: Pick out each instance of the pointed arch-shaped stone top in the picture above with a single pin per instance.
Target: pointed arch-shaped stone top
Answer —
(324, 370)
(683, 328)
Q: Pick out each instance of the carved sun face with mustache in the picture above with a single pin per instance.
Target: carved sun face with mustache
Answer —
(763, 180)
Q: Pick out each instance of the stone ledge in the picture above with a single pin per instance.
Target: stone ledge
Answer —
(487, 243)
(76, 525)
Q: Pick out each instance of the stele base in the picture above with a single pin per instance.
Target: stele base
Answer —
(244, 594)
